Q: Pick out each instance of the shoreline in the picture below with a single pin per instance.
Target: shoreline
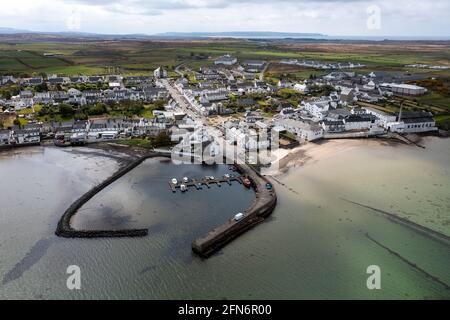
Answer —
(263, 205)
(323, 149)
(326, 151)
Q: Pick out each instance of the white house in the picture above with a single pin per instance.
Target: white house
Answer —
(227, 60)
(160, 73)
(27, 136)
(5, 137)
(384, 117)
(303, 130)
(317, 110)
(359, 122)
(300, 87)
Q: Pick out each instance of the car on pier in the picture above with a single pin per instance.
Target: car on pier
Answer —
(238, 217)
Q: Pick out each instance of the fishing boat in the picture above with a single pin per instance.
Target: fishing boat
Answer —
(174, 181)
(183, 188)
(185, 179)
(227, 176)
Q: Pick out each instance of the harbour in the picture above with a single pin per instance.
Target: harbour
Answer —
(262, 207)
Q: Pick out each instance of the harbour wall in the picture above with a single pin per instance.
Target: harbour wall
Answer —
(261, 208)
(263, 205)
(65, 230)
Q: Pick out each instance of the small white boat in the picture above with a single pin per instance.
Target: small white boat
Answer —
(185, 179)
(183, 188)
(227, 176)
(174, 181)
(212, 178)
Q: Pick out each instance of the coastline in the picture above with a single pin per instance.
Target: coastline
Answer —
(325, 149)
(313, 160)
(296, 221)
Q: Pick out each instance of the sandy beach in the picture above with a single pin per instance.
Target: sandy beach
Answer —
(321, 150)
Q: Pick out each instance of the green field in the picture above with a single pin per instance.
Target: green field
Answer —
(142, 57)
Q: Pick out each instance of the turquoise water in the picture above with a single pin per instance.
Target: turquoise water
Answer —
(313, 246)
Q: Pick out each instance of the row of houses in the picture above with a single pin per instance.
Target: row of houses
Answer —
(328, 115)
(93, 130)
(322, 65)
(63, 80)
(29, 135)
(27, 99)
(209, 96)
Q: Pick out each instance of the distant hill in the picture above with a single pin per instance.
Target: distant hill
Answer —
(12, 34)
(241, 34)
(12, 31)
(238, 34)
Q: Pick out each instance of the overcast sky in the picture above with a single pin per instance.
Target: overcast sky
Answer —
(338, 17)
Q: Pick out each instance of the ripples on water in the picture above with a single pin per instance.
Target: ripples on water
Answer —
(314, 246)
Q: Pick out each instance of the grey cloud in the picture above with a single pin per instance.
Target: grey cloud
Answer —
(155, 5)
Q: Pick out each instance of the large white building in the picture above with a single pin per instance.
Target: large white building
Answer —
(303, 130)
(404, 89)
(227, 60)
(317, 110)
(413, 122)
(358, 122)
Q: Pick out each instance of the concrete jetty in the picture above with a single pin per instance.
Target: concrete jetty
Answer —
(199, 183)
(261, 208)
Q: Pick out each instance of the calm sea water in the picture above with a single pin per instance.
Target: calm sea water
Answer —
(314, 245)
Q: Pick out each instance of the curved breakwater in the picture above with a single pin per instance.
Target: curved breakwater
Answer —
(65, 230)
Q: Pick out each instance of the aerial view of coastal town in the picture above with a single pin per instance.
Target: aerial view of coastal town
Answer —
(225, 150)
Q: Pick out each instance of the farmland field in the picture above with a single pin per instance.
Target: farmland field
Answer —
(141, 57)
(132, 57)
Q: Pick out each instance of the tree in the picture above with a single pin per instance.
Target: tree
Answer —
(162, 139)
(66, 110)
(97, 109)
(159, 104)
(41, 87)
